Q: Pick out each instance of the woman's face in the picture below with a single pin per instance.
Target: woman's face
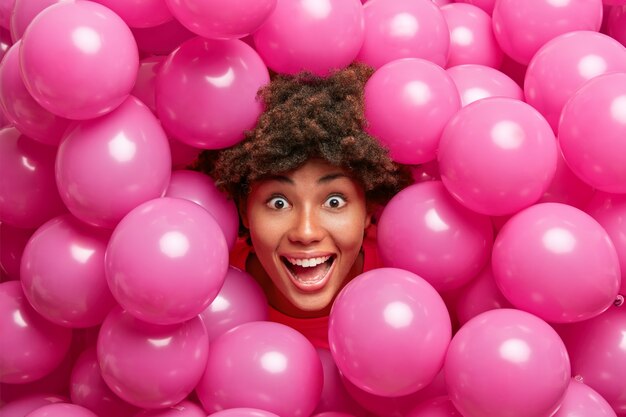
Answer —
(307, 229)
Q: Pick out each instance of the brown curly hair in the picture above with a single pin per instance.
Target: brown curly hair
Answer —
(308, 116)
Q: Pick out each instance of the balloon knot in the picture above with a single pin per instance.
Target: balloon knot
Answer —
(619, 301)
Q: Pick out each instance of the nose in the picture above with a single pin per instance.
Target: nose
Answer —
(306, 227)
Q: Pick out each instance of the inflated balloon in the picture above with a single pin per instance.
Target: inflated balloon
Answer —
(479, 81)
(436, 407)
(5, 13)
(507, 362)
(567, 188)
(88, 389)
(184, 408)
(616, 23)
(428, 171)
(146, 77)
(183, 155)
(596, 349)
(335, 397)
(263, 365)
(396, 29)
(166, 260)
(28, 193)
(564, 64)
(140, 13)
(24, 11)
(471, 37)
(28, 403)
(200, 188)
(407, 104)
(107, 166)
(332, 414)
(480, 295)
(592, 128)
(62, 410)
(31, 346)
(513, 20)
(497, 156)
(317, 36)
(426, 231)
(13, 240)
(62, 272)
(91, 39)
(388, 332)
(161, 39)
(582, 400)
(220, 79)
(220, 19)
(149, 365)
(243, 412)
(240, 300)
(20, 107)
(610, 211)
(557, 262)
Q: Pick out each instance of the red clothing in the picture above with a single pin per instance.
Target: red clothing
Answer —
(315, 329)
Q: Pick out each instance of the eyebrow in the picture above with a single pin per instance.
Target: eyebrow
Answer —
(322, 180)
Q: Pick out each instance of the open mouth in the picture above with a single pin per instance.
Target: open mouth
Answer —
(309, 274)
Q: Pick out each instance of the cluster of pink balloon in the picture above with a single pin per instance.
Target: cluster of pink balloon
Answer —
(505, 263)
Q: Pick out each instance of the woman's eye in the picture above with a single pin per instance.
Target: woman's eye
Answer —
(335, 201)
(278, 203)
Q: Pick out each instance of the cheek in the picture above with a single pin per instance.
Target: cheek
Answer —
(348, 231)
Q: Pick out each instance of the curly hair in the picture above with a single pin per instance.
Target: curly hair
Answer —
(308, 116)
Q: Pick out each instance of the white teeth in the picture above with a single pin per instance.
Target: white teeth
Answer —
(308, 263)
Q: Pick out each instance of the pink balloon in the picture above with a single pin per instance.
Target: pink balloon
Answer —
(564, 64)
(397, 29)
(140, 13)
(407, 104)
(200, 188)
(5, 13)
(475, 82)
(513, 20)
(206, 92)
(148, 365)
(335, 397)
(63, 275)
(161, 39)
(109, 165)
(388, 332)
(591, 132)
(166, 260)
(486, 5)
(28, 193)
(439, 2)
(184, 408)
(183, 155)
(79, 60)
(21, 109)
(513, 69)
(497, 156)
(436, 407)
(240, 300)
(557, 262)
(566, 187)
(243, 412)
(596, 349)
(26, 404)
(61, 410)
(31, 346)
(396, 406)
(610, 211)
(616, 23)
(507, 362)
(428, 171)
(146, 78)
(215, 19)
(263, 365)
(5, 41)
(582, 400)
(480, 295)
(332, 414)
(422, 226)
(316, 36)
(471, 37)
(88, 389)
(13, 242)
(25, 11)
